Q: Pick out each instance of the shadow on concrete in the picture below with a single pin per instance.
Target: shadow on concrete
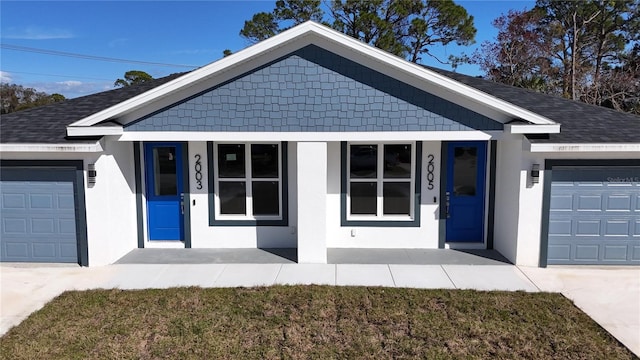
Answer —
(209, 256)
(334, 256)
(416, 257)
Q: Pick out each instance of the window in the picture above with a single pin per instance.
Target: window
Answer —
(380, 182)
(248, 183)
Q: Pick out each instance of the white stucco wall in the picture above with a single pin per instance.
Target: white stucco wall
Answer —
(425, 236)
(312, 201)
(507, 204)
(527, 252)
(110, 203)
(205, 236)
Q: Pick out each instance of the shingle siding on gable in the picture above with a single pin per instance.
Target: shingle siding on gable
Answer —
(313, 90)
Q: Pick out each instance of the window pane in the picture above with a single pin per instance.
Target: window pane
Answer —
(397, 161)
(465, 163)
(396, 198)
(364, 198)
(264, 161)
(231, 160)
(233, 195)
(164, 171)
(266, 198)
(364, 161)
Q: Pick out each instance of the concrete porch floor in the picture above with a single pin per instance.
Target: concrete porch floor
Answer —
(334, 256)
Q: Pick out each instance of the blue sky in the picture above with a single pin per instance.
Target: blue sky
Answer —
(167, 32)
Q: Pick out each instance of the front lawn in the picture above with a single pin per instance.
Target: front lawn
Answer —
(319, 322)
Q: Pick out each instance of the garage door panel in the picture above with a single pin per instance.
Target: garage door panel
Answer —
(559, 252)
(618, 228)
(67, 226)
(561, 202)
(43, 226)
(15, 249)
(588, 203)
(587, 228)
(584, 252)
(41, 201)
(38, 215)
(615, 253)
(619, 203)
(601, 222)
(14, 226)
(560, 228)
(66, 202)
(13, 201)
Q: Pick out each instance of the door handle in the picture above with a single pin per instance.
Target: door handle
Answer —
(182, 203)
(447, 204)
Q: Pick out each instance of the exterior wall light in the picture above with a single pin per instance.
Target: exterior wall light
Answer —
(535, 173)
(91, 174)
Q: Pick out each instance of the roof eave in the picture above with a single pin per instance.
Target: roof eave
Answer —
(73, 131)
(532, 129)
(583, 147)
(56, 147)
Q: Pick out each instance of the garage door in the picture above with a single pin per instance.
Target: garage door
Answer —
(38, 215)
(594, 216)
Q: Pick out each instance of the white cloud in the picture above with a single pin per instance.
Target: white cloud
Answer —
(5, 77)
(37, 33)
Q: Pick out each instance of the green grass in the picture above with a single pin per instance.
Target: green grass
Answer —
(317, 322)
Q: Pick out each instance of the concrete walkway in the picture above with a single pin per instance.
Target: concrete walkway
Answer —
(611, 296)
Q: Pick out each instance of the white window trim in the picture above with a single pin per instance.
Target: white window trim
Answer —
(248, 180)
(380, 180)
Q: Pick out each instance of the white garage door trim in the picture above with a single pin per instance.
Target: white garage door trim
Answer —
(548, 182)
(79, 195)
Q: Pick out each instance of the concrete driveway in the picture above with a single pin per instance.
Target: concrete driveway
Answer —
(611, 296)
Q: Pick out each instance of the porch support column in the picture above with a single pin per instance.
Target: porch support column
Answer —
(312, 202)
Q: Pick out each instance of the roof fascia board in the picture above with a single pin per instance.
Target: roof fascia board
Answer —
(57, 148)
(351, 47)
(94, 131)
(584, 147)
(312, 136)
(532, 129)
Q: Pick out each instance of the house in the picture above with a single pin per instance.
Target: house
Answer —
(313, 140)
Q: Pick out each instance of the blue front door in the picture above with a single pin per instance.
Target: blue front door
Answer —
(163, 163)
(465, 191)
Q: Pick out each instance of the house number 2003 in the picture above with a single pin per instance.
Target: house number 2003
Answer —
(198, 171)
(430, 169)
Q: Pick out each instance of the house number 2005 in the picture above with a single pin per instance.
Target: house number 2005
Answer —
(198, 170)
(430, 169)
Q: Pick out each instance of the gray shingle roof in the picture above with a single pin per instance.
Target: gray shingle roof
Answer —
(579, 122)
(48, 124)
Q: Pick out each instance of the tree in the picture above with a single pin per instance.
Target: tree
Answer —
(286, 13)
(406, 28)
(583, 50)
(132, 77)
(620, 85)
(15, 97)
(520, 54)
